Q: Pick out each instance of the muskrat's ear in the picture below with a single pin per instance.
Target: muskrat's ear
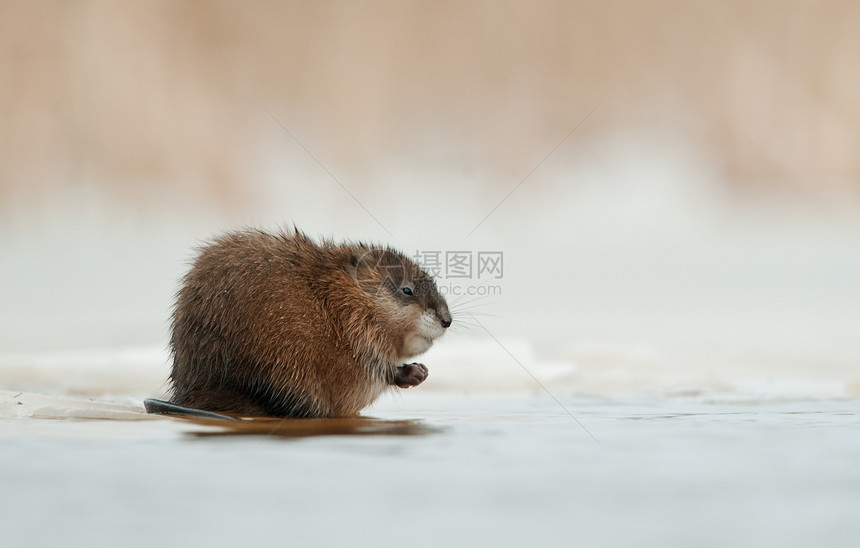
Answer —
(351, 261)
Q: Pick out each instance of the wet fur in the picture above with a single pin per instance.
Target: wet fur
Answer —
(277, 324)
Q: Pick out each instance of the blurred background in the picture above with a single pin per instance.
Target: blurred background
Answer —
(674, 186)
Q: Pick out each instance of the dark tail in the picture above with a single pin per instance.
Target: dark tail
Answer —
(161, 407)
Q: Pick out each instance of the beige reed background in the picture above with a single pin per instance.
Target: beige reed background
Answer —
(161, 100)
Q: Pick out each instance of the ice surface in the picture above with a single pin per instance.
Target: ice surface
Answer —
(501, 471)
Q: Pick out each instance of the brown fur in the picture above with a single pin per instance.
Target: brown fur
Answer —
(276, 324)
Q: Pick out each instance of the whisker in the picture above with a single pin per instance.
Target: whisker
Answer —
(461, 327)
(473, 300)
(485, 315)
(457, 299)
(462, 319)
(463, 324)
(467, 311)
(470, 306)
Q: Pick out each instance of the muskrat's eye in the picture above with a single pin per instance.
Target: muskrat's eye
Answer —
(407, 290)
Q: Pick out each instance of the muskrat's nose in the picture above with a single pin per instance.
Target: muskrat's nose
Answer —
(444, 315)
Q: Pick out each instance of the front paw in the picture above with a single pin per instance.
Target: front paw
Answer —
(411, 374)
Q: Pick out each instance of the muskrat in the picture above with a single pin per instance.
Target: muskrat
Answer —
(275, 324)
